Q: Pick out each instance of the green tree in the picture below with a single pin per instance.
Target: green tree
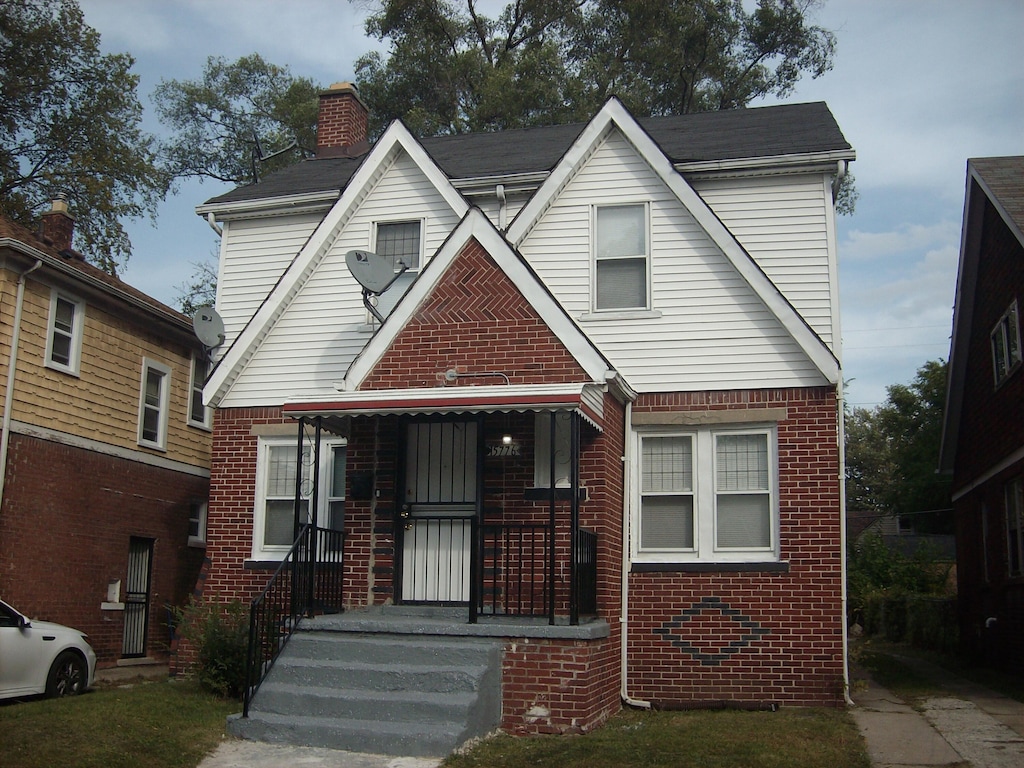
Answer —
(236, 113)
(451, 69)
(70, 125)
(892, 452)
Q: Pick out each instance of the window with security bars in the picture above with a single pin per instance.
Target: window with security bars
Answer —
(278, 468)
(399, 243)
(707, 495)
(620, 257)
(742, 499)
(666, 506)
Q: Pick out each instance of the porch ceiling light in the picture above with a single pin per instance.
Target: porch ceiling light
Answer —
(506, 439)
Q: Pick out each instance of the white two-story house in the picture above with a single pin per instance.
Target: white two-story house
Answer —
(603, 398)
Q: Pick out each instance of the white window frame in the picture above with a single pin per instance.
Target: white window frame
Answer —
(195, 389)
(1006, 345)
(1015, 527)
(596, 258)
(385, 303)
(75, 336)
(162, 407)
(197, 513)
(269, 552)
(705, 496)
(542, 449)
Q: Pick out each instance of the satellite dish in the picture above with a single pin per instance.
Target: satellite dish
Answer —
(370, 270)
(375, 273)
(208, 327)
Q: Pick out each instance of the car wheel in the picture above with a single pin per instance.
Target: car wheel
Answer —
(67, 675)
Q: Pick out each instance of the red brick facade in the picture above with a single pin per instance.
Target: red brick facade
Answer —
(761, 636)
(64, 536)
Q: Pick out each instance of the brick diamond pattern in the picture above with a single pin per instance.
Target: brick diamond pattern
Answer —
(719, 623)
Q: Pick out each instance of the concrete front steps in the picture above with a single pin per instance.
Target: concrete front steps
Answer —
(387, 687)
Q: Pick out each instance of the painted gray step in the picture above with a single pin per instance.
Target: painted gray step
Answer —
(392, 706)
(391, 676)
(409, 649)
(431, 739)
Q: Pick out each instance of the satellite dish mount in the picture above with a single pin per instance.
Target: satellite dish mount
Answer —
(375, 274)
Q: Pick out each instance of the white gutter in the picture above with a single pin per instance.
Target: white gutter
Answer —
(12, 368)
(627, 473)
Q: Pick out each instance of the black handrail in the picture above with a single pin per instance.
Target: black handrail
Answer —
(309, 579)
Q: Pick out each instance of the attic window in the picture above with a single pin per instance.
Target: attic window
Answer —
(398, 241)
(1006, 352)
(620, 257)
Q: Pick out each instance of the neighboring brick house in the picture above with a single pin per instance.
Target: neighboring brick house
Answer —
(105, 451)
(624, 333)
(983, 431)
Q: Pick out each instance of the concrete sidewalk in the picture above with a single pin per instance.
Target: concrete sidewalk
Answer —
(969, 726)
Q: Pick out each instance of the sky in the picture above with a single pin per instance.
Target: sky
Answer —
(917, 87)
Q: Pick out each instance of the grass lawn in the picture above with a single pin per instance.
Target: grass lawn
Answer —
(789, 738)
(175, 724)
(150, 725)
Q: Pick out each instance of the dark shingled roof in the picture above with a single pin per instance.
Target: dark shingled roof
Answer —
(1004, 177)
(788, 129)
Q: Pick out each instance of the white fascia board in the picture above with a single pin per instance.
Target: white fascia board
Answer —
(394, 141)
(269, 206)
(614, 114)
(800, 162)
(477, 226)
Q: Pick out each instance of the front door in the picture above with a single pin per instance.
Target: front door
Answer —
(437, 511)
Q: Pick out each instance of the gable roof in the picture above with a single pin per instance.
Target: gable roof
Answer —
(476, 226)
(395, 140)
(728, 136)
(614, 116)
(1000, 182)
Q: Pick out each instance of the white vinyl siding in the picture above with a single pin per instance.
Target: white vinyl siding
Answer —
(706, 495)
(783, 222)
(254, 255)
(708, 329)
(320, 332)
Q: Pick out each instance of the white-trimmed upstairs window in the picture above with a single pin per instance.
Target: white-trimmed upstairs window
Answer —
(709, 495)
(64, 333)
(1006, 348)
(154, 398)
(276, 471)
(198, 414)
(399, 242)
(621, 258)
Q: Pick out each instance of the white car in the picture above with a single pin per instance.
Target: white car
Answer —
(42, 657)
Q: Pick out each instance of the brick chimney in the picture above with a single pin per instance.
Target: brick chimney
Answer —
(57, 228)
(342, 128)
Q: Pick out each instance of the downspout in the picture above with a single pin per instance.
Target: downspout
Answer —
(212, 221)
(499, 192)
(841, 167)
(841, 402)
(12, 367)
(627, 473)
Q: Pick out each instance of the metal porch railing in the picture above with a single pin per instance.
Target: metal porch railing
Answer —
(309, 580)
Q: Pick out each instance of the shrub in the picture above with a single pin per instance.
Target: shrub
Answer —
(219, 633)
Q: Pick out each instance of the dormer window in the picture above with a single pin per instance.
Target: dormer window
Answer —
(400, 243)
(621, 257)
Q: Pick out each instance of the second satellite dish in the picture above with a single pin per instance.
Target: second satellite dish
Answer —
(208, 327)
